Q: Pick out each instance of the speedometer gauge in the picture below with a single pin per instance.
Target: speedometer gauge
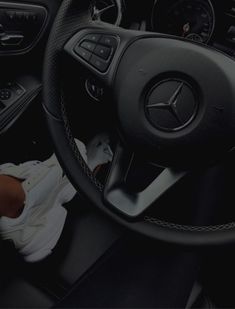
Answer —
(191, 19)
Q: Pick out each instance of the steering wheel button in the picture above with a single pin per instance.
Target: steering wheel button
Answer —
(103, 52)
(88, 45)
(5, 94)
(99, 64)
(109, 41)
(83, 53)
(93, 37)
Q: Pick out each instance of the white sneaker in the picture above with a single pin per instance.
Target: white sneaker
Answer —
(37, 230)
(33, 230)
(99, 151)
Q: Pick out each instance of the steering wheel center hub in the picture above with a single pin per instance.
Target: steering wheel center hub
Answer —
(171, 105)
(171, 101)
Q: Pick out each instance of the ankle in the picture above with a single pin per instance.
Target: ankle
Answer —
(12, 197)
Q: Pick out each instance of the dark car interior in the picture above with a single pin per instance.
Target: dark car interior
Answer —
(165, 238)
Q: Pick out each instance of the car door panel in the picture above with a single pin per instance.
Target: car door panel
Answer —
(24, 29)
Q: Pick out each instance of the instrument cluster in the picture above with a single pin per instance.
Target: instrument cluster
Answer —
(190, 19)
(204, 21)
(210, 22)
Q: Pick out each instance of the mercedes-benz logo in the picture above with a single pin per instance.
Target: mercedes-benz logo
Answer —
(175, 111)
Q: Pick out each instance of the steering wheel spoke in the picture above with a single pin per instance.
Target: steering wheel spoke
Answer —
(98, 49)
(133, 204)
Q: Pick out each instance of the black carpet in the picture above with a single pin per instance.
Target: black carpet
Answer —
(138, 274)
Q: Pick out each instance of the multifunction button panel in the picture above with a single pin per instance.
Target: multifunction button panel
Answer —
(97, 50)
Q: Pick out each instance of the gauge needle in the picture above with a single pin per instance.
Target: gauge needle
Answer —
(98, 13)
(186, 29)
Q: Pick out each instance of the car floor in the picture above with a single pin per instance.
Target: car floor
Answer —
(217, 276)
(87, 236)
(98, 264)
(138, 273)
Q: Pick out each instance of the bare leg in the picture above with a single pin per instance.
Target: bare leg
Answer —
(12, 197)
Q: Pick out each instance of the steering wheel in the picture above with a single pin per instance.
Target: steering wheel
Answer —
(173, 101)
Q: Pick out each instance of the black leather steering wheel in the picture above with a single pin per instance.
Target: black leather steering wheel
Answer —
(142, 70)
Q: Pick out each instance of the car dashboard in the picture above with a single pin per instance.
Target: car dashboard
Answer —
(210, 22)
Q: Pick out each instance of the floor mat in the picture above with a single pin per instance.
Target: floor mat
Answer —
(139, 274)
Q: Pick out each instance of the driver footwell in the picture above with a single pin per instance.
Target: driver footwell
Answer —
(139, 273)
